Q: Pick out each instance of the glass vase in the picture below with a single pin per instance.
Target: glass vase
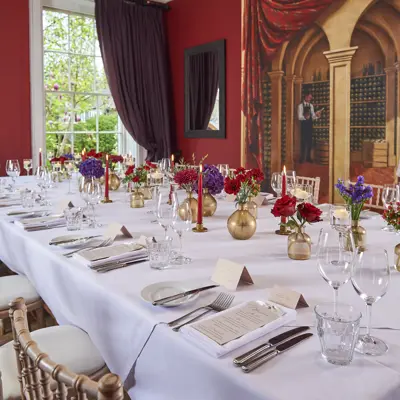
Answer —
(359, 235)
(299, 245)
(137, 199)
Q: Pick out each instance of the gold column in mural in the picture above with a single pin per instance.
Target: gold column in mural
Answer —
(290, 79)
(391, 113)
(397, 65)
(339, 127)
(276, 111)
(298, 82)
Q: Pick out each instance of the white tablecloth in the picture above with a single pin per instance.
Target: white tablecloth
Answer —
(109, 307)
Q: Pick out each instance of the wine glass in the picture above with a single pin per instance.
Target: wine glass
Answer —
(370, 279)
(290, 180)
(27, 165)
(335, 255)
(93, 192)
(69, 169)
(181, 222)
(390, 194)
(155, 192)
(224, 171)
(13, 171)
(276, 183)
(44, 182)
(164, 211)
(340, 217)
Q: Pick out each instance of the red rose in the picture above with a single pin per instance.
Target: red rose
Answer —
(309, 212)
(91, 153)
(240, 171)
(62, 160)
(98, 155)
(147, 168)
(130, 170)
(54, 159)
(136, 179)
(232, 185)
(284, 207)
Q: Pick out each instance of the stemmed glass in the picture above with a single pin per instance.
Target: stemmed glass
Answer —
(164, 211)
(13, 171)
(93, 194)
(181, 222)
(390, 194)
(155, 192)
(224, 170)
(27, 165)
(69, 168)
(276, 183)
(290, 180)
(335, 255)
(165, 168)
(370, 279)
(43, 177)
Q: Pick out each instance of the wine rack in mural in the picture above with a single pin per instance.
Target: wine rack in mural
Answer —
(266, 87)
(283, 123)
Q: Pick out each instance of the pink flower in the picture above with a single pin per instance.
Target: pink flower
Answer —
(56, 86)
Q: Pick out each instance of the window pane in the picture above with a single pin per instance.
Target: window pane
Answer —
(82, 74)
(82, 34)
(85, 113)
(84, 141)
(58, 112)
(55, 30)
(58, 144)
(108, 142)
(108, 116)
(101, 79)
(55, 71)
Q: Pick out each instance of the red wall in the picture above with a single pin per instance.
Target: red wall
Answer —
(15, 126)
(191, 23)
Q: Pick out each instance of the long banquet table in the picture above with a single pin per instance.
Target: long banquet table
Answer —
(109, 307)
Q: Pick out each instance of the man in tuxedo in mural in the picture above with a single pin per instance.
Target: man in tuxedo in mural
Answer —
(306, 116)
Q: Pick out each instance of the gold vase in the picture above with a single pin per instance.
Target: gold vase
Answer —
(193, 207)
(359, 235)
(146, 193)
(397, 257)
(137, 199)
(114, 182)
(252, 207)
(102, 180)
(299, 245)
(209, 204)
(241, 224)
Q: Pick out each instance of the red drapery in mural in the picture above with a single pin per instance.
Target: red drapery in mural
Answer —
(267, 24)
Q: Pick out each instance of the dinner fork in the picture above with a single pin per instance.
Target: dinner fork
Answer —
(104, 243)
(221, 303)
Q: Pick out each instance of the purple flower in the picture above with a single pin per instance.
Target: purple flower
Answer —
(91, 168)
(68, 156)
(213, 180)
(56, 86)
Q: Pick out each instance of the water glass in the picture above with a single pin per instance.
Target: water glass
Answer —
(28, 198)
(276, 183)
(340, 217)
(337, 328)
(27, 165)
(73, 218)
(13, 170)
(159, 250)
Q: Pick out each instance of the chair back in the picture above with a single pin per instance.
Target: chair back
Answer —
(37, 373)
(313, 182)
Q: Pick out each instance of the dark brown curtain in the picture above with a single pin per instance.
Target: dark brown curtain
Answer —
(204, 84)
(134, 50)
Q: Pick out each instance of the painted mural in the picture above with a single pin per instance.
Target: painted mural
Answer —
(328, 98)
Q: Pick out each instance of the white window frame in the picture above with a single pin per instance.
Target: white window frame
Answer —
(38, 121)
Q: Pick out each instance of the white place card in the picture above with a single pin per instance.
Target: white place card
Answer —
(230, 274)
(230, 197)
(62, 205)
(259, 200)
(232, 324)
(287, 297)
(115, 229)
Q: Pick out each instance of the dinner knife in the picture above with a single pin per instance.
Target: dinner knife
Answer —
(168, 299)
(276, 340)
(278, 350)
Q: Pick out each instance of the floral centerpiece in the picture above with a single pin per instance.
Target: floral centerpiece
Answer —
(186, 179)
(91, 168)
(93, 154)
(60, 160)
(113, 160)
(355, 195)
(392, 215)
(138, 177)
(299, 243)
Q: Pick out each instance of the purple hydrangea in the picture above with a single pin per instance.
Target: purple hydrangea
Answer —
(68, 156)
(91, 168)
(212, 180)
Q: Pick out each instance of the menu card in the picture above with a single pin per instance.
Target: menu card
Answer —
(232, 324)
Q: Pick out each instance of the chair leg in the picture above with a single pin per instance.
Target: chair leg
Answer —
(40, 317)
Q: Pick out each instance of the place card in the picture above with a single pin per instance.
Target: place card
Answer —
(62, 205)
(115, 229)
(230, 274)
(230, 197)
(259, 200)
(237, 322)
(287, 297)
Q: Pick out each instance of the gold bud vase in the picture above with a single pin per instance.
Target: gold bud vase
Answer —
(359, 235)
(193, 207)
(252, 207)
(299, 245)
(397, 256)
(241, 224)
(146, 193)
(209, 204)
(114, 182)
(137, 199)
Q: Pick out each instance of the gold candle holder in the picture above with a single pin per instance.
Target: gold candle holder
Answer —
(200, 228)
(283, 231)
(106, 200)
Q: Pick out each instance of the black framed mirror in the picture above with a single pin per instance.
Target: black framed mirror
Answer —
(205, 91)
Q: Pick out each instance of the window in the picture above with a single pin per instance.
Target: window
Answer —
(79, 110)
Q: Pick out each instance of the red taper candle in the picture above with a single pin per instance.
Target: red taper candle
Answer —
(200, 197)
(106, 182)
(40, 157)
(283, 219)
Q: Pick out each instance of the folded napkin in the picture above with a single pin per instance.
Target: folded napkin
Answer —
(216, 350)
(32, 223)
(128, 252)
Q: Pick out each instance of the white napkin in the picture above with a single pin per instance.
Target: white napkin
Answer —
(39, 222)
(213, 348)
(122, 252)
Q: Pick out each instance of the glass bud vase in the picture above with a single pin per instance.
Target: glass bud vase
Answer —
(252, 207)
(209, 204)
(137, 199)
(146, 192)
(299, 245)
(241, 224)
(359, 235)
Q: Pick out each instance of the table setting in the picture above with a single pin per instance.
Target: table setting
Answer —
(176, 298)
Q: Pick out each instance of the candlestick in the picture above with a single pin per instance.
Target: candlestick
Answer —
(106, 189)
(199, 226)
(40, 157)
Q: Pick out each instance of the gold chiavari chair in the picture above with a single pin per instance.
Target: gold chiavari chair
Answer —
(14, 286)
(29, 373)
